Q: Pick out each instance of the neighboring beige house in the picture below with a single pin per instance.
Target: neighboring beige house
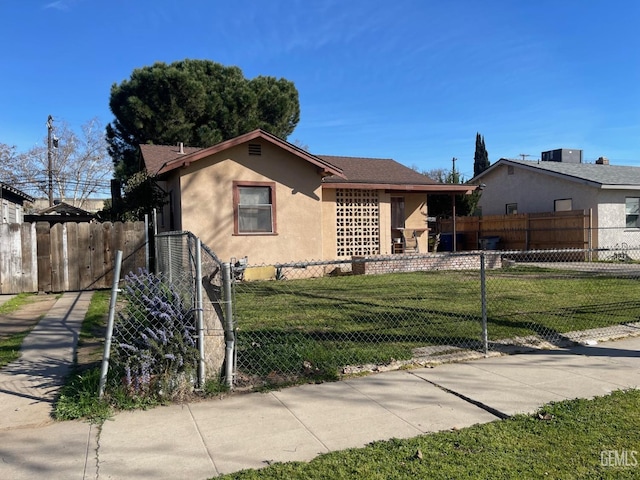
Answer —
(259, 196)
(609, 193)
(13, 203)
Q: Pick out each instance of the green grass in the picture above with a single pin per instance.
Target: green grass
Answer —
(10, 344)
(16, 302)
(79, 396)
(330, 322)
(10, 347)
(95, 318)
(567, 446)
(92, 332)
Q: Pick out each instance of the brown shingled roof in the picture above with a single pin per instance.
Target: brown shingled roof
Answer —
(375, 171)
(344, 172)
(157, 156)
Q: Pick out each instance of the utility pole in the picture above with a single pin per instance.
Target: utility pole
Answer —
(49, 161)
(524, 156)
(453, 169)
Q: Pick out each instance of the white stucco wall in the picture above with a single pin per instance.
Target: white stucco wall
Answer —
(533, 192)
(612, 229)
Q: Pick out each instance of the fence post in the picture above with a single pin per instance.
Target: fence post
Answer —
(228, 325)
(483, 294)
(112, 313)
(146, 242)
(199, 307)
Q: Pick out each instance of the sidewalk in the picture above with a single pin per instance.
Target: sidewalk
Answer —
(204, 439)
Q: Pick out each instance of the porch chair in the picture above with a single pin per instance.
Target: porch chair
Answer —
(410, 241)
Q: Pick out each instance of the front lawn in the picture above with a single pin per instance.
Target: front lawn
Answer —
(313, 327)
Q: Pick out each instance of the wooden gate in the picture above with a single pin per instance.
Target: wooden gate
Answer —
(38, 257)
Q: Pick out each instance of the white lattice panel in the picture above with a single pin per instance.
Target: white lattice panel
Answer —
(358, 226)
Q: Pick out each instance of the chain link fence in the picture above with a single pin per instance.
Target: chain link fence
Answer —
(255, 325)
(319, 320)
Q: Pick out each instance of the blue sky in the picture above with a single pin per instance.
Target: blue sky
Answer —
(412, 80)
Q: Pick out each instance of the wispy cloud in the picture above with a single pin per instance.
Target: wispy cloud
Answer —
(61, 5)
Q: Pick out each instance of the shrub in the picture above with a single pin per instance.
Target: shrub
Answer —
(154, 339)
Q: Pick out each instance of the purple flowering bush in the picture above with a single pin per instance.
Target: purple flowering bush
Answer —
(154, 339)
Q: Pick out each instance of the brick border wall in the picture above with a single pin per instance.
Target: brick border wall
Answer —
(377, 264)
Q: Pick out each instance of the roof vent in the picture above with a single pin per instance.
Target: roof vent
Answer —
(181, 146)
(255, 149)
(602, 161)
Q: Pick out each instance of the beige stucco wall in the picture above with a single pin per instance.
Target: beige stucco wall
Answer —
(207, 204)
(415, 207)
(305, 213)
(415, 211)
(384, 210)
(328, 224)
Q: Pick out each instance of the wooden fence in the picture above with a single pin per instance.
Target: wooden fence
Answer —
(526, 231)
(38, 257)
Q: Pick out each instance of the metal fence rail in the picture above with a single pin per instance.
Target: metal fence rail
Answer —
(317, 320)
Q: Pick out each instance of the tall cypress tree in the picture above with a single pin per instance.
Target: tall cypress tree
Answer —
(481, 157)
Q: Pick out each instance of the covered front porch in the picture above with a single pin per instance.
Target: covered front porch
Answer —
(408, 230)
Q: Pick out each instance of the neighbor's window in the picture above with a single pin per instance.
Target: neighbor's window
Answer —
(632, 211)
(511, 208)
(254, 207)
(563, 205)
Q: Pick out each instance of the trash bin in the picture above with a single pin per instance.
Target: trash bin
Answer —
(446, 242)
(489, 243)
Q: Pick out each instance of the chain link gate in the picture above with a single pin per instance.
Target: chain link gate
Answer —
(204, 281)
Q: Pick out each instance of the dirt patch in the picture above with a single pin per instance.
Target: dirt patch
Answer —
(27, 316)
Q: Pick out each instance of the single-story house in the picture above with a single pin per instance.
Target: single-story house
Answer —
(610, 194)
(13, 203)
(259, 196)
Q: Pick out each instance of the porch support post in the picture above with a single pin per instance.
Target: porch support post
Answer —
(453, 209)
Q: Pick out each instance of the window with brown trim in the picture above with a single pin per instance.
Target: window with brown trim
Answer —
(254, 208)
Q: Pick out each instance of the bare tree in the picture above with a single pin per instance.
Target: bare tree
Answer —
(80, 169)
(8, 161)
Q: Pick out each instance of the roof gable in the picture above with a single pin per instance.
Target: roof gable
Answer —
(18, 193)
(63, 208)
(162, 159)
(599, 175)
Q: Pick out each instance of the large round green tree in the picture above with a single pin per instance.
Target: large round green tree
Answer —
(197, 102)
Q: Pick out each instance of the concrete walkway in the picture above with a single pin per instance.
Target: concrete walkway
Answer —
(204, 439)
(28, 386)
